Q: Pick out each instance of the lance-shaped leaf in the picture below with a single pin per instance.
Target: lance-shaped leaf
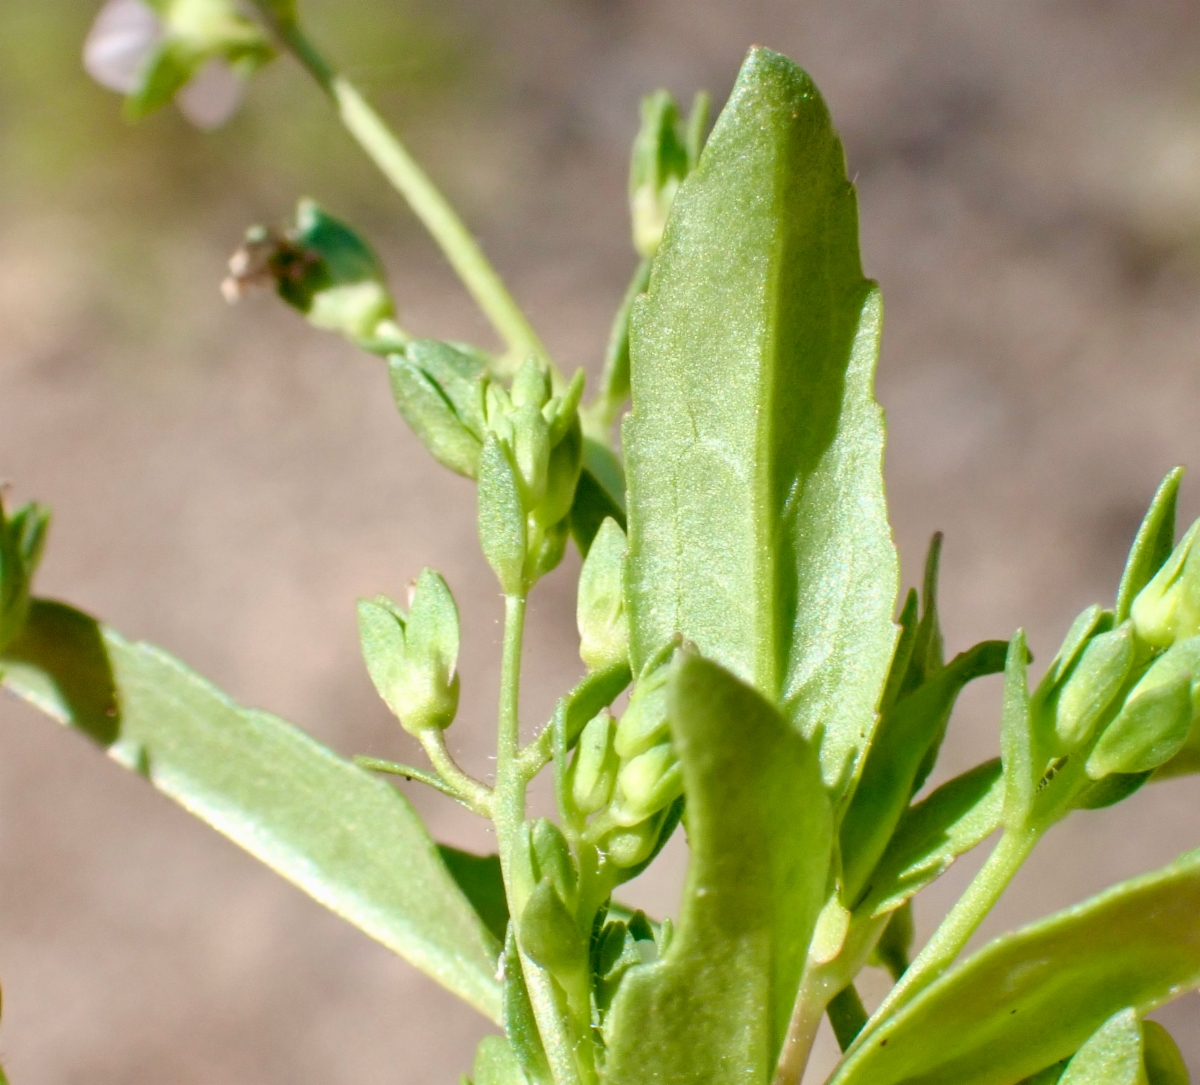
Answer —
(899, 749)
(714, 1010)
(957, 817)
(1152, 547)
(345, 837)
(1034, 997)
(757, 522)
(1111, 1056)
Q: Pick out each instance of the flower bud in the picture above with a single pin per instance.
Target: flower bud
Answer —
(593, 773)
(658, 167)
(546, 548)
(22, 538)
(502, 527)
(1093, 683)
(548, 932)
(626, 848)
(644, 723)
(413, 658)
(550, 856)
(646, 784)
(1156, 718)
(1167, 609)
(562, 475)
(531, 385)
(600, 610)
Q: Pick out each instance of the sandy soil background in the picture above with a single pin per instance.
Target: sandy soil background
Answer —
(227, 482)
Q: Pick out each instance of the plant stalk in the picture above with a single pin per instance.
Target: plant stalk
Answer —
(962, 921)
(477, 796)
(386, 150)
(811, 1000)
(508, 815)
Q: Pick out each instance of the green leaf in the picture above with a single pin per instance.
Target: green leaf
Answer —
(1153, 545)
(893, 950)
(1021, 774)
(928, 652)
(1164, 1063)
(1034, 997)
(757, 521)
(482, 883)
(439, 391)
(599, 494)
(496, 1063)
(846, 1015)
(520, 1024)
(1111, 1056)
(898, 751)
(347, 839)
(715, 1008)
(957, 817)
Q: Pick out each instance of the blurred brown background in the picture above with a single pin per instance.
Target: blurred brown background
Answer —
(226, 481)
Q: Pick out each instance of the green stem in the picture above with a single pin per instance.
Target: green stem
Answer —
(384, 148)
(963, 920)
(847, 1016)
(474, 794)
(394, 768)
(508, 815)
(811, 1001)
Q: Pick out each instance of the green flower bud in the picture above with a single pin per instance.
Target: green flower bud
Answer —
(1093, 683)
(1092, 621)
(1156, 718)
(531, 453)
(562, 476)
(439, 391)
(1168, 608)
(593, 773)
(502, 527)
(646, 784)
(321, 267)
(546, 549)
(600, 610)
(550, 855)
(658, 167)
(548, 932)
(531, 385)
(413, 658)
(644, 723)
(22, 539)
(627, 847)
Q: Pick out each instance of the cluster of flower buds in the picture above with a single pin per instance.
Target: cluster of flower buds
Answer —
(663, 156)
(600, 611)
(626, 777)
(22, 537)
(197, 52)
(413, 658)
(529, 466)
(1128, 697)
(549, 930)
(322, 267)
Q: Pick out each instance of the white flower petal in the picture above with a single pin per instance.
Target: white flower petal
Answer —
(122, 37)
(210, 99)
